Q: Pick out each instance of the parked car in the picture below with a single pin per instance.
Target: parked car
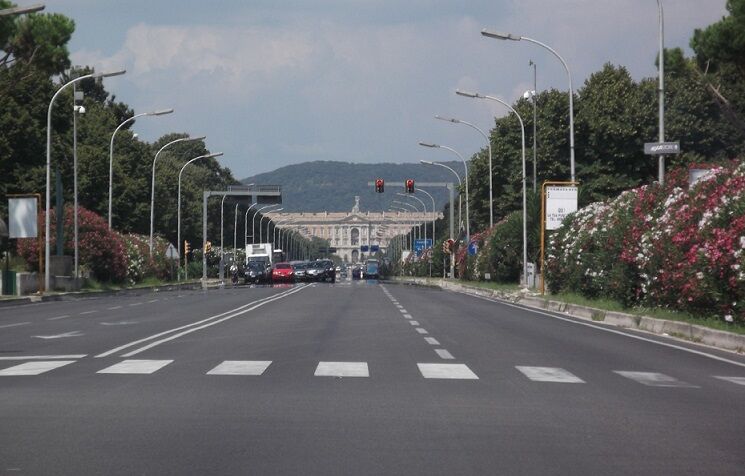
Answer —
(301, 270)
(283, 272)
(321, 270)
(256, 272)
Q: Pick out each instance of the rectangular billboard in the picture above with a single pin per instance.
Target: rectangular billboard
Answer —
(561, 200)
(22, 218)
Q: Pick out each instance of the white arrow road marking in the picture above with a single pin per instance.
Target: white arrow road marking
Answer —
(120, 323)
(61, 336)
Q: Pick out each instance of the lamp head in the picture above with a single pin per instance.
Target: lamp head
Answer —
(210, 156)
(425, 144)
(161, 112)
(453, 120)
(467, 94)
(109, 74)
(500, 36)
(427, 162)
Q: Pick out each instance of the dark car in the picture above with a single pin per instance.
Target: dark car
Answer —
(256, 272)
(321, 270)
(357, 271)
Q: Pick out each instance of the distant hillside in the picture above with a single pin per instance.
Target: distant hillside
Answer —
(332, 186)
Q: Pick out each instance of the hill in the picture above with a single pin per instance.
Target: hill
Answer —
(331, 186)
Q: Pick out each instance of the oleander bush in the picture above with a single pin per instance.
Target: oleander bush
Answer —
(674, 246)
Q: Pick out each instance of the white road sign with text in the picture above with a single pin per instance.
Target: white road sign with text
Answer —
(561, 200)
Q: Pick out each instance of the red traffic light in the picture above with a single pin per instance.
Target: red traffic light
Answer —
(409, 186)
(379, 185)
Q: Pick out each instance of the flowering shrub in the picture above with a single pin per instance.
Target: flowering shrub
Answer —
(101, 250)
(672, 246)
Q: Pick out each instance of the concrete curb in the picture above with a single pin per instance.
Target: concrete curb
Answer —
(675, 329)
(89, 294)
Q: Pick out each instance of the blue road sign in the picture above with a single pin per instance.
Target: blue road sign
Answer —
(374, 248)
(421, 245)
(473, 248)
(364, 248)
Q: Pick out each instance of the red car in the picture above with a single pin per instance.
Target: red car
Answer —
(283, 272)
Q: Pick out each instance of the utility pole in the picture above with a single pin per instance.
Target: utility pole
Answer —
(535, 118)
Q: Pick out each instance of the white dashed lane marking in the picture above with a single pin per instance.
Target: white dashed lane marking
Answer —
(135, 366)
(447, 371)
(653, 379)
(444, 354)
(135, 304)
(34, 368)
(549, 374)
(407, 316)
(737, 380)
(414, 323)
(431, 341)
(421, 331)
(113, 308)
(15, 325)
(58, 317)
(342, 369)
(88, 312)
(241, 367)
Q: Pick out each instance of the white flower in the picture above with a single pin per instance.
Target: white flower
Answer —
(728, 318)
(700, 275)
(742, 242)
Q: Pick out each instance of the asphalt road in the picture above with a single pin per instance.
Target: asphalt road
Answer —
(354, 378)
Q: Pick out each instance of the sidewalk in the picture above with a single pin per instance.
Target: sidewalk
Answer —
(7, 301)
(676, 329)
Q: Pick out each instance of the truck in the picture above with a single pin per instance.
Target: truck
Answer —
(262, 252)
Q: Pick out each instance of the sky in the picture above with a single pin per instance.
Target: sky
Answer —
(279, 82)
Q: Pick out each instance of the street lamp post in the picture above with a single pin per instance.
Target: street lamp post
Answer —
(661, 91)
(491, 172)
(245, 226)
(525, 200)
(460, 184)
(535, 122)
(47, 275)
(235, 231)
(21, 10)
(111, 148)
(261, 220)
(178, 212)
(509, 36)
(425, 211)
(152, 182)
(253, 223)
(434, 218)
(465, 164)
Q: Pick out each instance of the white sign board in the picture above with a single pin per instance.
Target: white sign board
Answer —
(561, 200)
(22, 218)
(171, 252)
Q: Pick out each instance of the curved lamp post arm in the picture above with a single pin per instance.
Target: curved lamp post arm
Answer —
(245, 226)
(152, 182)
(178, 211)
(253, 222)
(465, 165)
(111, 148)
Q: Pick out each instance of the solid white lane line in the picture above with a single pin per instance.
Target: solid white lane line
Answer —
(444, 354)
(414, 323)
(135, 367)
(342, 369)
(549, 374)
(209, 324)
(431, 341)
(407, 316)
(654, 379)
(612, 331)
(241, 367)
(88, 312)
(34, 368)
(447, 371)
(113, 308)
(421, 331)
(15, 325)
(155, 336)
(43, 357)
(58, 317)
(737, 380)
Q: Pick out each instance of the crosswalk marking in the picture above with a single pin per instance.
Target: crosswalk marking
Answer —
(737, 380)
(342, 369)
(654, 379)
(447, 371)
(549, 374)
(444, 354)
(135, 366)
(34, 368)
(241, 367)
(431, 341)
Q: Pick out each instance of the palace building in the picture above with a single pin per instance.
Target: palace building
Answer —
(348, 231)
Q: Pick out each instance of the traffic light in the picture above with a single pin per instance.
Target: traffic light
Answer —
(207, 246)
(379, 185)
(186, 247)
(409, 185)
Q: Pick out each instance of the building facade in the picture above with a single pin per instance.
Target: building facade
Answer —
(347, 232)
